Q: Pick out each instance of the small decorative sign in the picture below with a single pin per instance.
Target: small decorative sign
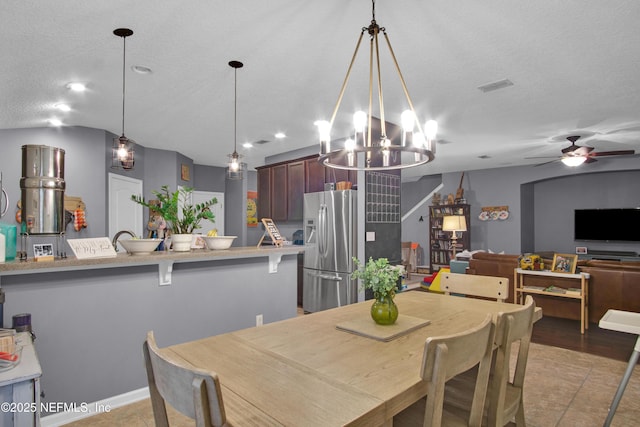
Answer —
(272, 231)
(99, 247)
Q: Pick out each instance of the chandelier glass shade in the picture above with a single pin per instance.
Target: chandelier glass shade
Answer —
(235, 168)
(123, 153)
(415, 146)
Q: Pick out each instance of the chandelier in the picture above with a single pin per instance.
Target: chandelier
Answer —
(416, 147)
(122, 151)
(236, 167)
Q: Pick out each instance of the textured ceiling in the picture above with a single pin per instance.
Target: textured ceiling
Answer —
(574, 64)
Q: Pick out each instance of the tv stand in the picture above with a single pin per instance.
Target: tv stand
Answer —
(613, 253)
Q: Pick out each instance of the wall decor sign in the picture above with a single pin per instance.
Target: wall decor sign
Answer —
(494, 213)
(97, 247)
(252, 208)
(185, 173)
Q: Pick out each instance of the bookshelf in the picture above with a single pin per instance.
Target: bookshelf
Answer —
(440, 249)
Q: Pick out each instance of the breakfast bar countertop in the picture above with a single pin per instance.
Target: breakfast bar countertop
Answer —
(156, 258)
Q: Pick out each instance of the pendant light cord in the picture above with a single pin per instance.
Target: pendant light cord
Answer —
(124, 58)
(235, 109)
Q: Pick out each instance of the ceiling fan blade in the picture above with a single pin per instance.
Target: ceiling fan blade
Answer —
(546, 163)
(570, 149)
(582, 151)
(590, 160)
(612, 153)
(543, 157)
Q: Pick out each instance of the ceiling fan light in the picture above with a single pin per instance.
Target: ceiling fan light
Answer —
(574, 160)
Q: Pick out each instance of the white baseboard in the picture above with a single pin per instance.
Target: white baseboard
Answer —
(94, 408)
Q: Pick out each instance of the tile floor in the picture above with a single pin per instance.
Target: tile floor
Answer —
(563, 388)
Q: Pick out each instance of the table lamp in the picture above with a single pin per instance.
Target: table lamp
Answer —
(454, 223)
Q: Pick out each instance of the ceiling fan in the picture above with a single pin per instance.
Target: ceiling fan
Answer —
(575, 155)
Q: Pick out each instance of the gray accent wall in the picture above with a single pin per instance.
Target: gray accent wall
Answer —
(541, 201)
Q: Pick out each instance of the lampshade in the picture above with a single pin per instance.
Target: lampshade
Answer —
(416, 147)
(454, 223)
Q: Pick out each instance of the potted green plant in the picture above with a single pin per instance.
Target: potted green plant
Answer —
(382, 278)
(182, 222)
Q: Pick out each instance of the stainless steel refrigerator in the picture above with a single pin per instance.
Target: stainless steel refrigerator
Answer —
(330, 236)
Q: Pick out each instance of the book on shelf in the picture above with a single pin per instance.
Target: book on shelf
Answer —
(535, 288)
(574, 291)
(555, 290)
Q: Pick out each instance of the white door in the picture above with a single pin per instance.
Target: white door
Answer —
(217, 209)
(124, 213)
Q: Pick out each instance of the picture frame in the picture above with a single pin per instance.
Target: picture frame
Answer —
(564, 263)
(43, 250)
(185, 174)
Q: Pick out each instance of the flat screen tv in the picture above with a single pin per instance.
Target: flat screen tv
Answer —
(611, 225)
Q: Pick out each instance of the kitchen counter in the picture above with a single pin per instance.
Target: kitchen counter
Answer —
(125, 259)
(91, 317)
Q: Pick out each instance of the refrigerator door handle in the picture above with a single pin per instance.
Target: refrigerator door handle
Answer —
(323, 231)
(327, 277)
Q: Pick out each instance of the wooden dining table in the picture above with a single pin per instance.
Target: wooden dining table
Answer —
(304, 371)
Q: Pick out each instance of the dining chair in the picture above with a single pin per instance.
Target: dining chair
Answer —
(505, 394)
(193, 392)
(471, 284)
(443, 358)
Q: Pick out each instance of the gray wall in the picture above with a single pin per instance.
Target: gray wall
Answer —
(555, 201)
(84, 149)
(537, 198)
(415, 228)
(90, 324)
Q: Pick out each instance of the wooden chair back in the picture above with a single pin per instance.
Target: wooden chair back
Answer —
(471, 284)
(505, 397)
(193, 392)
(445, 357)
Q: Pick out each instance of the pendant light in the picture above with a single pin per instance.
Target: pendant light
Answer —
(235, 168)
(122, 151)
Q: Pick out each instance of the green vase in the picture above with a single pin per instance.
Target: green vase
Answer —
(384, 310)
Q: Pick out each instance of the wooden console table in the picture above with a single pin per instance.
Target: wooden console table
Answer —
(520, 289)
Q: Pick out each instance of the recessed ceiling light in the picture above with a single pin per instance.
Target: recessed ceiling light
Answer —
(280, 135)
(55, 122)
(141, 69)
(77, 87)
(247, 145)
(63, 107)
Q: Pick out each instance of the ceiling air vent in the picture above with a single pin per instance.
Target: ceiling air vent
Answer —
(496, 85)
(260, 142)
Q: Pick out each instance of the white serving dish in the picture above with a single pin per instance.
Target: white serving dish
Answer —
(219, 242)
(140, 246)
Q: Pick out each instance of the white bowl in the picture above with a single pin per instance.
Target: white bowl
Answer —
(219, 242)
(140, 246)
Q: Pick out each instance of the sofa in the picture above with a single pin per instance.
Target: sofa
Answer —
(612, 284)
